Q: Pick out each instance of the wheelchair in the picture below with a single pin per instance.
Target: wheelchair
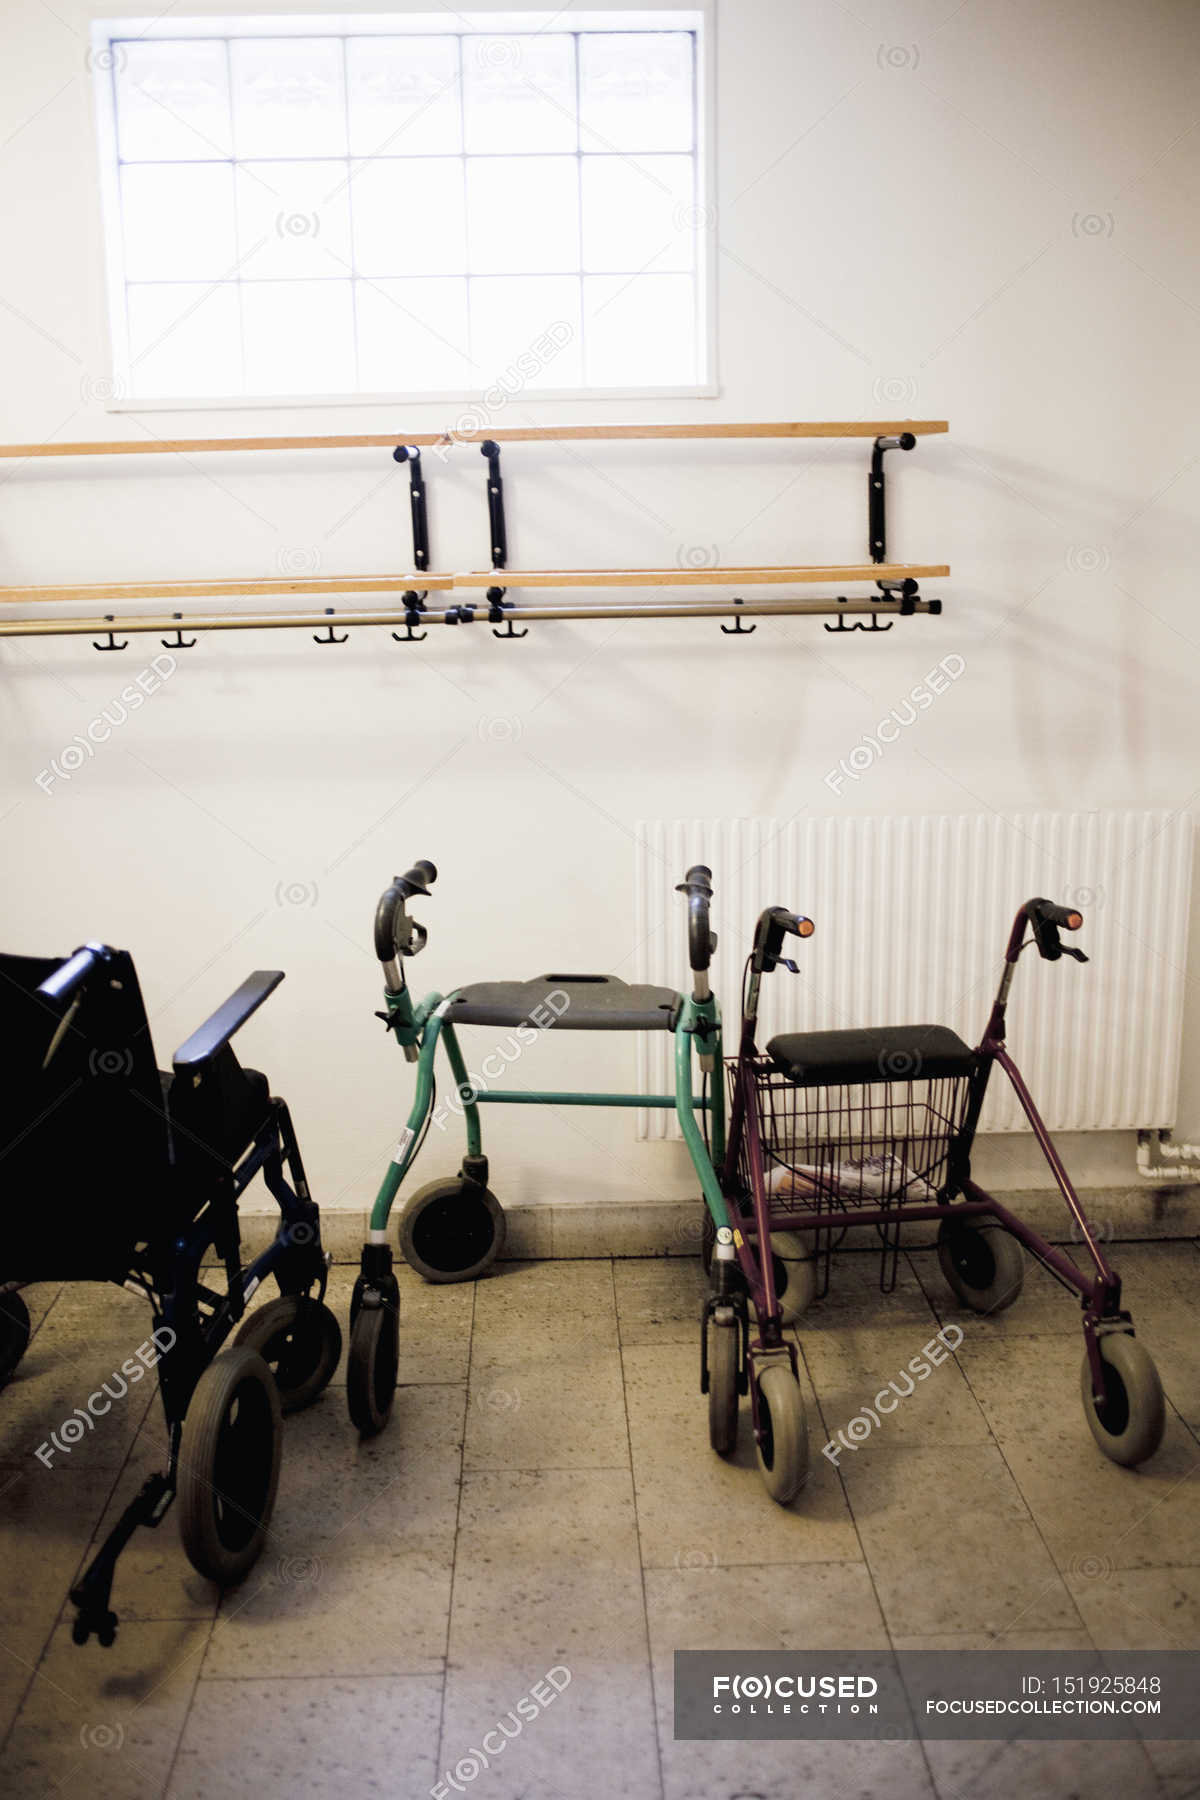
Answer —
(117, 1173)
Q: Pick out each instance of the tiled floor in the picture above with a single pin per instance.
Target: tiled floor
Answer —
(545, 1500)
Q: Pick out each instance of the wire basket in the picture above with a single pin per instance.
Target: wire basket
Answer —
(872, 1145)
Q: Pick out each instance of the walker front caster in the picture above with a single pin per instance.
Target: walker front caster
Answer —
(452, 1230)
(374, 1359)
(1128, 1425)
(983, 1263)
(722, 1365)
(782, 1433)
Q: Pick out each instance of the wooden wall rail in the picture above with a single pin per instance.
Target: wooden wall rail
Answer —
(512, 434)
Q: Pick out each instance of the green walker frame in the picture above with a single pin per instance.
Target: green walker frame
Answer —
(453, 1229)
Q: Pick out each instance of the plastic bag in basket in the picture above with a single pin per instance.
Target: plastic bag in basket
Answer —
(884, 1177)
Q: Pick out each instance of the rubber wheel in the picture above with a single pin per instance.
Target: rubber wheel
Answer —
(300, 1341)
(795, 1267)
(372, 1367)
(984, 1264)
(1129, 1425)
(452, 1230)
(724, 1356)
(14, 1332)
(783, 1449)
(229, 1466)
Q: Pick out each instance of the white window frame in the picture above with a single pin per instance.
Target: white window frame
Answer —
(698, 18)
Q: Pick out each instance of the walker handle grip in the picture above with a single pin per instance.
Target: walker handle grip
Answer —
(390, 912)
(1046, 918)
(702, 941)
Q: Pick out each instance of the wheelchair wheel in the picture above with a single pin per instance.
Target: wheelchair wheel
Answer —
(229, 1467)
(372, 1367)
(1129, 1425)
(795, 1270)
(783, 1433)
(300, 1341)
(724, 1355)
(452, 1230)
(983, 1263)
(14, 1333)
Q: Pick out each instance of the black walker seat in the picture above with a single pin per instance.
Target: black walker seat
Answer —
(568, 1002)
(878, 1053)
(115, 1172)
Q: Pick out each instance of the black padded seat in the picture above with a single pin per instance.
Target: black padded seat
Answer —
(878, 1053)
(568, 1002)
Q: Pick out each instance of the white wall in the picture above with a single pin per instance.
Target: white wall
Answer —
(984, 213)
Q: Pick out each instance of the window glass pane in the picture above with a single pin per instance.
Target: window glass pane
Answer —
(288, 97)
(638, 212)
(183, 339)
(519, 93)
(293, 220)
(635, 90)
(178, 221)
(403, 95)
(408, 216)
(640, 332)
(525, 331)
(523, 214)
(299, 337)
(172, 99)
(412, 335)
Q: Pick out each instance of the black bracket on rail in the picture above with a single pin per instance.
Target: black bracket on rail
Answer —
(178, 642)
(420, 521)
(414, 606)
(331, 637)
(739, 628)
(877, 492)
(498, 616)
(490, 449)
(112, 644)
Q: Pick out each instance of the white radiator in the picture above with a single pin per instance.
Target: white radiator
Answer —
(912, 916)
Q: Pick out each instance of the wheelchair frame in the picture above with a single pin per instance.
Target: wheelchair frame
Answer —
(200, 1320)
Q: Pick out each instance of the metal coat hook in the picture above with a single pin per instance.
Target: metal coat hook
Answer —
(858, 624)
(414, 606)
(112, 644)
(331, 636)
(739, 628)
(497, 615)
(178, 642)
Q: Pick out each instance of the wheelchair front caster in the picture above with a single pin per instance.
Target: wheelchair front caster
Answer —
(452, 1230)
(14, 1332)
(724, 1356)
(229, 1466)
(983, 1263)
(782, 1434)
(372, 1366)
(1128, 1426)
(300, 1341)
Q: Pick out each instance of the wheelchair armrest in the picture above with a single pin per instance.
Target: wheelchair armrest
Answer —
(216, 1032)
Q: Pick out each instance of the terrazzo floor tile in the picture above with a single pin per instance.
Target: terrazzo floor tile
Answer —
(534, 1404)
(924, 1401)
(660, 1300)
(310, 1738)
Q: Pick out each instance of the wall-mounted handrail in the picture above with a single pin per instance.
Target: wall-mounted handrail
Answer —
(513, 434)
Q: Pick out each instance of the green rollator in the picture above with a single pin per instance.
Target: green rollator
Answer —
(453, 1228)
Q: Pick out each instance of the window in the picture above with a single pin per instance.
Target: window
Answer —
(389, 206)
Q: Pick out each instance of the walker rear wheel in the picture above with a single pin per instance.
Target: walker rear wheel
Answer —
(1128, 1426)
(983, 1263)
(795, 1269)
(724, 1355)
(452, 1230)
(782, 1433)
